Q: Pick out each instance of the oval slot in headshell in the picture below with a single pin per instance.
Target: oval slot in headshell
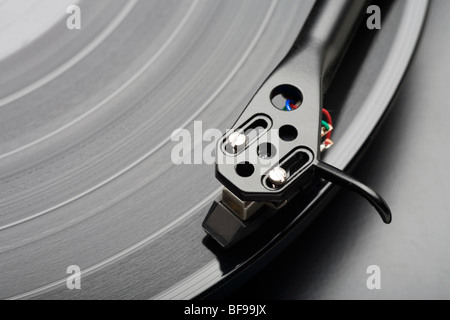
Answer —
(292, 165)
(239, 139)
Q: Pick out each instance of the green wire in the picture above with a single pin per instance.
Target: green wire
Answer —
(326, 125)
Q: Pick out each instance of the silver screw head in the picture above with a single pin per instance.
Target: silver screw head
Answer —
(278, 176)
(237, 140)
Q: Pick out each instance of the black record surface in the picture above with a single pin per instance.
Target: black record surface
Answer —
(86, 116)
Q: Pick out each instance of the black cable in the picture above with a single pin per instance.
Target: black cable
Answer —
(340, 178)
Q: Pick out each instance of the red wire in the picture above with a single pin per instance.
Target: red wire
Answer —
(330, 122)
(328, 116)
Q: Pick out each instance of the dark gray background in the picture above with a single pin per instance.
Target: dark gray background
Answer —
(407, 163)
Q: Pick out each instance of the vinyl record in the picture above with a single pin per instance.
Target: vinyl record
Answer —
(86, 118)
